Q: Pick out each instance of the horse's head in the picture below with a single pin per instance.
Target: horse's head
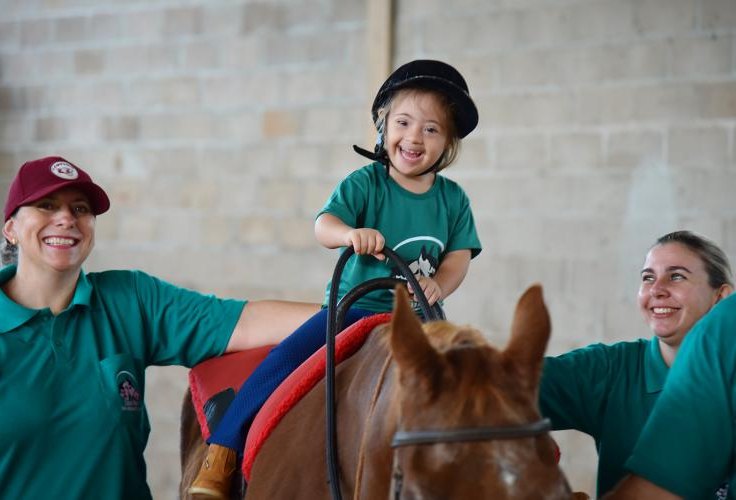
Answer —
(478, 405)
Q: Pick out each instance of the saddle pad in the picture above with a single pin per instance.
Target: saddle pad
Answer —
(300, 382)
(217, 374)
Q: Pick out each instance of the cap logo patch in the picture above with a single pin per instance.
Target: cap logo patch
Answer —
(64, 170)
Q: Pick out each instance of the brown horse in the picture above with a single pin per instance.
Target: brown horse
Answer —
(466, 415)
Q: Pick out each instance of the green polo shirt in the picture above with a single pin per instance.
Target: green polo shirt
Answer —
(73, 423)
(688, 445)
(420, 228)
(607, 392)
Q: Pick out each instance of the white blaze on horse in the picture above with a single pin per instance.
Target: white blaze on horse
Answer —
(424, 411)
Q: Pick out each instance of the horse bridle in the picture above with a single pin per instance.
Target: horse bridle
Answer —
(466, 434)
(420, 437)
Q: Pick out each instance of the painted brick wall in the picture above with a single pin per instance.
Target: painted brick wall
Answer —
(220, 127)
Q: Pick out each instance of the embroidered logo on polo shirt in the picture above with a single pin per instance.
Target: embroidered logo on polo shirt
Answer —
(65, 171)
(128, 390)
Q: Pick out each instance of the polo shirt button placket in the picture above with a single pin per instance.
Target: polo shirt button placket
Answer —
(46, 324)
(56, 335)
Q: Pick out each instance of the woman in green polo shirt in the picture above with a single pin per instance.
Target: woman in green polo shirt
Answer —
(74, 346)
(608, 391)
(687, 446)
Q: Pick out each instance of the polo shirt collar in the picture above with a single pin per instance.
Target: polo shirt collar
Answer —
(655, 369)
(12, 314)
(83, 292)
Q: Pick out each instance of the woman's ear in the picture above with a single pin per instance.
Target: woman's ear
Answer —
(724, 291)
(8, 231)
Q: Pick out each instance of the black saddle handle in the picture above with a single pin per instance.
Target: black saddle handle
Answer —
(335, 316)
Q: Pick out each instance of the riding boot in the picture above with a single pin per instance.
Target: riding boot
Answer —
(214, 478)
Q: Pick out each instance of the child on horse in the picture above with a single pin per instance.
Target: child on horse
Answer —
(421, 112)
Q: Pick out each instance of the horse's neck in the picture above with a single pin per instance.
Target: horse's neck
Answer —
(372, 375)
(373, 415)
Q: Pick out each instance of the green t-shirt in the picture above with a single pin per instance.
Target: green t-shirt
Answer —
(687, 445)
(420, 228)
(607, 392)
(73, 423)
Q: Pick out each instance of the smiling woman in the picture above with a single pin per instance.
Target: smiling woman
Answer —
(57, 232)
(608, 391)
(683, 277)
(50, 212)
(74, 346)
(44, 188)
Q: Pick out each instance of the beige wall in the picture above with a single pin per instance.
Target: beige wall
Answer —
(219, 128)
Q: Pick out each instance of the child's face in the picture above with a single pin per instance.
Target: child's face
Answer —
(416, 134)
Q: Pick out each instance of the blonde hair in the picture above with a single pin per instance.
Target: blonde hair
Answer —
(452, 149)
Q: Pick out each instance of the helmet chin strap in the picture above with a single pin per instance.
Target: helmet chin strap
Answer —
(379, 154)
(434, 168)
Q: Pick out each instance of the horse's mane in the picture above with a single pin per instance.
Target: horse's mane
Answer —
(471, 363)
(444, 339)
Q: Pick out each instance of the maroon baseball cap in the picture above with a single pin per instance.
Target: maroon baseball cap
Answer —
(37, 178)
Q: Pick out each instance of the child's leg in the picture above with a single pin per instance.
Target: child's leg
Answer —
(280, 362)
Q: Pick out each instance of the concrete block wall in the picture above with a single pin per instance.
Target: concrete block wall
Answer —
(219, 128)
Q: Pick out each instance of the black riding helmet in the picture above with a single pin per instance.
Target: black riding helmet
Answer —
(432, 75)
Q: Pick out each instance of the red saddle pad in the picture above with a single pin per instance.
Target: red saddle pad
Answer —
(230, 371)
(217, 374)
(300, 382)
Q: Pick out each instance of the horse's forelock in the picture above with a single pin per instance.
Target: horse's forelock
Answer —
(444, 336)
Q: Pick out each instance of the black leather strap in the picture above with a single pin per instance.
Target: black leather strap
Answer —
(412, 438)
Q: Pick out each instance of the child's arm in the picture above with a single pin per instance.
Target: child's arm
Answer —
(331, 232)
(450, 274)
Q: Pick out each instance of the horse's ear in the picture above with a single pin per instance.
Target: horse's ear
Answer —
(530, 333)
(409, 344)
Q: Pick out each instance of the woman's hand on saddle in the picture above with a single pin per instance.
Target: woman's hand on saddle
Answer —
(366, 241)
(430, 287)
